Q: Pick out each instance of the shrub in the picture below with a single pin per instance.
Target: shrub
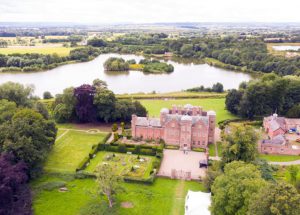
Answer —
(137, 149)
(51, 185)
(116, 137)
(122, 148)
(83, 163)
(47, 95)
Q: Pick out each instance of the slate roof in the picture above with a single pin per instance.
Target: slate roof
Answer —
(144, 121)
(276, 123)
(277, 140)
(155, 122)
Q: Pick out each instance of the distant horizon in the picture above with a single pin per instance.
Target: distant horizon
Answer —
(150, 11)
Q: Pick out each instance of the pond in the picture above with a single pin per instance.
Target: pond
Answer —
(286, 48)
(185, 76)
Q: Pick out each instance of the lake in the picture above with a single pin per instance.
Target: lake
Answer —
(286, 48)
(184, 76)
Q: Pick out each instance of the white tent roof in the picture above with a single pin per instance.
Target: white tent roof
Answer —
(197, 203)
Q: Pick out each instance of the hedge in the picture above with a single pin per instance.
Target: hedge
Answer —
(94, 150)
(222, 124)
(83, 163)
(135, 149)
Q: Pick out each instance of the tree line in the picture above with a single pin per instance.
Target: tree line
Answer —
(38, 62)
(91, 103)
(264, 96)
(26, 137)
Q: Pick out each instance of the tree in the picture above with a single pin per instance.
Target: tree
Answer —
(294, 112)
(105, 101)
(265, 169)
(17, 93)
(96, 42)
(29, 137)
(85, 109)
(7, 110)
(15, 195)
(42, 109)
(232, 101)
(232, 191)
(218, 87)
(99, 84)
(114, 127)
(47, 95)
(274, 199)
(212, 173)
(64, 105)
(108, 182)
(293, 171)
(240, 144)
(116, 64)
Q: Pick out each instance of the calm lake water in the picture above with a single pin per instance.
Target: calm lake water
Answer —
(286, 48)
(184, 76)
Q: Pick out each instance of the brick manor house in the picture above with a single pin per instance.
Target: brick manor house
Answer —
(187, 127)
(277, 130)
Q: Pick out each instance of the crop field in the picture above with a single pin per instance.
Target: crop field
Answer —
(276, 52)
(123, 164)
(70, 148)
(164, 197)
(43, 49)
(218, 105)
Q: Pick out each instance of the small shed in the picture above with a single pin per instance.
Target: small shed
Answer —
(203, 163)
(197, 203)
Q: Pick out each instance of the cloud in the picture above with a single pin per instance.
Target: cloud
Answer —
(109, 11)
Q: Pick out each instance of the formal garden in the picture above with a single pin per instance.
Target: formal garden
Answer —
(137, 166)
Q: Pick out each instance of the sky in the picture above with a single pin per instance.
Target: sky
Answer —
(149, 11)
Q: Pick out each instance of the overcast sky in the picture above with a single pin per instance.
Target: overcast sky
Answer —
(147, 11)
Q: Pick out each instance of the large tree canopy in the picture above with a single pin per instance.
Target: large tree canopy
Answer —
(240, 144)
(233, 190)
(15, 196)
(28, 136)
(17, 93)
(265, 96)
(275, 199)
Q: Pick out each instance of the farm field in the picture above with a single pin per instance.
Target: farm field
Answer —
(218, 105)
(123, 164)
(70, 149)
(81, 197)
(61, 51)
(276, 52)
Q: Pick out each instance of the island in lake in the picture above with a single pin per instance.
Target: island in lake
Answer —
(145, 65)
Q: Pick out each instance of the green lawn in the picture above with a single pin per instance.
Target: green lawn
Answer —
(164, 197)
(212, 149)
(61, 51)
(218, 105)
(280, 158)
(122, 163)
(70, 150)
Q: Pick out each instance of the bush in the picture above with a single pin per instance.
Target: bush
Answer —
(47, 95)
(122, 148)
(137, 149)
(83, 163)
(148, 180)
(148, 152)
(51, 185)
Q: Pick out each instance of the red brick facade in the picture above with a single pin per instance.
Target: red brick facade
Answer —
(187, 127)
